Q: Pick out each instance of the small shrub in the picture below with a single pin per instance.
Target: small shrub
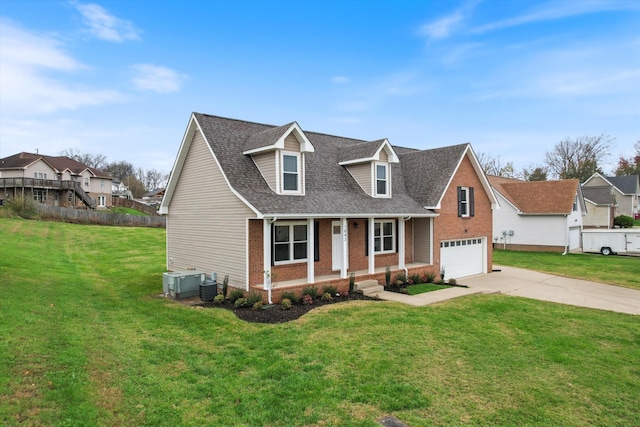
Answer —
(453, 281)
(225, 285)
(329, 289)
(257, 306)
(240, 302)
(253, 298)
(312, 291)
(623, 221)
(352, 282)
(307, 299)
(326, 297)
(428, 277)
(24, 207)
(285, 303)
(219, 299)
(401, 280)
(387, 275)
(291, 296)
(415, 278)
(235, 294)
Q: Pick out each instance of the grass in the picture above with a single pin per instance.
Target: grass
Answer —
(86, 340)
(127, 211)
(614, 270)
(424, 287)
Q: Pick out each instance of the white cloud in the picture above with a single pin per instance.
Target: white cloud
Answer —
(557, 10)
(29, 61)
(443, 27)
(340, 80)
(105, 26)
(156, 78)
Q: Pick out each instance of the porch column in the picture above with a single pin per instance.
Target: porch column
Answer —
(431, 240)
(401, 243)
(372, 248)
(311, 256)
(345, 248)
(266, 252)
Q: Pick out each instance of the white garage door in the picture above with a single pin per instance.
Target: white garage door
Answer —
(574, 238)
(461, 258)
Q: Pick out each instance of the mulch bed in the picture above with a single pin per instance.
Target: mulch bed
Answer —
(275, 313)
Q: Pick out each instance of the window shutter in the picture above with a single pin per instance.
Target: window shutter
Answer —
(316, 241)
(459, 201)
(366, 238)
(471, 202)
(397, 235)
(273, 245)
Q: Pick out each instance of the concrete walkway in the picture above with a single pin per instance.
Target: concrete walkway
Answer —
(532, 284)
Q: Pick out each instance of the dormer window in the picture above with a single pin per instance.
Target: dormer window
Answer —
(382, 179)
(291, 172)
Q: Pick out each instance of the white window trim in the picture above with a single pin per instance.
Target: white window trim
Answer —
(282, 172)
(467, 205)
(387, 180)
(381, 237)
(290, 224)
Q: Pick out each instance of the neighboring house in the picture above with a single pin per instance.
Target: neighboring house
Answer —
(601, 206)
(259, 202)
(153, 196)
(538, 215)
(59, 181)
(120, 190)
(626, 190)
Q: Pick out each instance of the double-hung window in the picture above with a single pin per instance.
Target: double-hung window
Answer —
(384, 236)
(86, 182)
(290, 172)
(465, 202)
(382, 179)
(289, 242)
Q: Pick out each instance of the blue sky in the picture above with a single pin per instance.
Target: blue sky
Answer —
(121, 78)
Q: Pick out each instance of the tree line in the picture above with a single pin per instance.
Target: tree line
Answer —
(577, 158)
(137, 179)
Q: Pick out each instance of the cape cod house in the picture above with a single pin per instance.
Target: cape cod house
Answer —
(263, 203)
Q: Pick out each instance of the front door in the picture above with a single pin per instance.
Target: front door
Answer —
(337, 238)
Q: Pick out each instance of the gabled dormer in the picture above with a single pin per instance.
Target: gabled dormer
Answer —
(279, 153)
(370, 165)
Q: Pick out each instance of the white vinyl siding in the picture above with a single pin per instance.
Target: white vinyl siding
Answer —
(206, 222)
(362, 174)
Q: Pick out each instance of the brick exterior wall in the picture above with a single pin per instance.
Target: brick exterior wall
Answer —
(449, 226)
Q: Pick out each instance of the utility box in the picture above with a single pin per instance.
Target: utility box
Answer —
(182, 284)
(208, 290)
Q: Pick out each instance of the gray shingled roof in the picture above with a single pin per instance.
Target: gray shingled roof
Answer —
(428, 172)
(627, 184)
(330, 189)
(266, 138)
(365, 150)
(601, 195)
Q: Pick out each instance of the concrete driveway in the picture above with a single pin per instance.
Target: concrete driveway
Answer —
(547, 287)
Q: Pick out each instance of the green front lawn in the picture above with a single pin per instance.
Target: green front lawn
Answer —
(614, 270)
(425, 287)
(86, 340)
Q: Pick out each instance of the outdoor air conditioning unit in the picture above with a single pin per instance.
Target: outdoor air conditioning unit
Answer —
(182, 284)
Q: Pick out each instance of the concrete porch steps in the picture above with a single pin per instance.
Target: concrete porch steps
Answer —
(368, 287)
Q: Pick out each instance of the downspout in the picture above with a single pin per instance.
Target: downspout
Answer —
(566, 232)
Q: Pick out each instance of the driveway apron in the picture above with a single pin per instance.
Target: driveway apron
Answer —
(547, 287)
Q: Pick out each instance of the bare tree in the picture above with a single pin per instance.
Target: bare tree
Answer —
(97, 161)
(493, 165)
(155, 179)
(631, 165)
(578, 158)
(120, 170)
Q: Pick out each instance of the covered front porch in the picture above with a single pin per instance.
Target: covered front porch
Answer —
(327, 251)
